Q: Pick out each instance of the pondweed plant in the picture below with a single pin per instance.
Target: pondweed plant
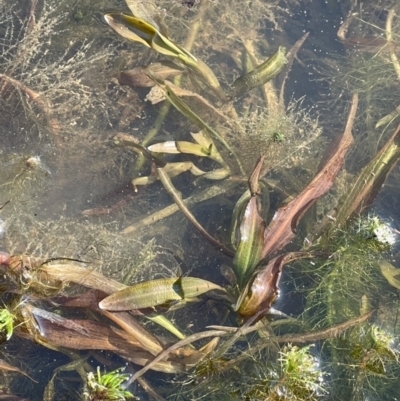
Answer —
(294, 374)
(95, 293)
(107, 386)
(7, 321)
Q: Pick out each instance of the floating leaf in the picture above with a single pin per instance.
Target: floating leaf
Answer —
(157, 292)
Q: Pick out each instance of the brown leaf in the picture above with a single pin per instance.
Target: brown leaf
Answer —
(57, 319)
(147, 340)
(80, 275)
(138, 76)
(6, 366)
(263, 289)
(102, 337)
(281, 229)
(10, 397)
(372, 44)
(254, 185)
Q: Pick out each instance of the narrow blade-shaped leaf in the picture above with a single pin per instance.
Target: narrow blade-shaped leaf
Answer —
(146, 11)
(138, 30)
(252, 229)
(183, 107)
(138, 76)
(369, 180)
(8, 367)
(281, 229)
(179, 147)
(251, 242)
(259, 75)
(131, 28)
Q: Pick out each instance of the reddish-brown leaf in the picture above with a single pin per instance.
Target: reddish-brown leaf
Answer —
(263, 289)
(281, 229)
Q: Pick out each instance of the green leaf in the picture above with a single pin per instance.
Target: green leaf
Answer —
(259, 75)
(138, 30)
(183, 107)
(252, 228)
(157, 292)
(251, 242)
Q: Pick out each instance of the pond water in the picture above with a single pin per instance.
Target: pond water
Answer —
(130, 154)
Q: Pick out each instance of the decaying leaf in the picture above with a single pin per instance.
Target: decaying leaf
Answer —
(6, 366)
(73, 273)
(101, 337)
(57, 319)
(127, 322)
(138, 76)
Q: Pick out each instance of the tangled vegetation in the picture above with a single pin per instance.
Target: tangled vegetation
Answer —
(169, 205)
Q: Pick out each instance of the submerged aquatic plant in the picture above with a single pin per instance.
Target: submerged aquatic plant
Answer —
(79, 271)
(301, 377)
(7, 321)
(107, 386)
(373, 228)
